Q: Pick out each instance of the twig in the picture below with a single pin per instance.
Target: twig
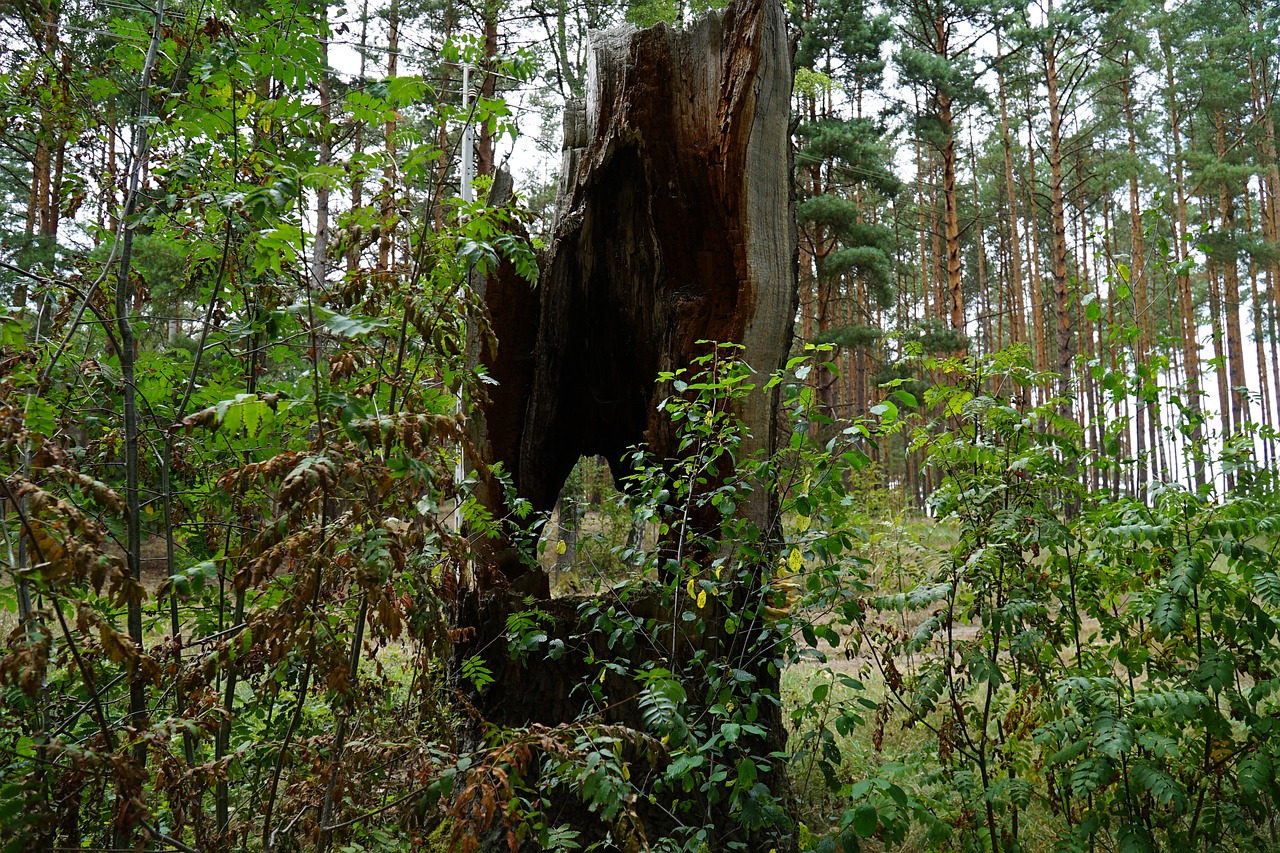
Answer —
(388, 807)
(161, 837)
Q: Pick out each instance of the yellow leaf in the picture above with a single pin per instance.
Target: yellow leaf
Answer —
(702, 598)
(561, 547)
(802, 523)
(690, 587)
(795, 561)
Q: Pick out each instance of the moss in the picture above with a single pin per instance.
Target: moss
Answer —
(440, 840)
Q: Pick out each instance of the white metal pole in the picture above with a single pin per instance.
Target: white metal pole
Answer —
(468, 141)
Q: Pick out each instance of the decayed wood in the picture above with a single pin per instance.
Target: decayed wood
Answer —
(673, 225)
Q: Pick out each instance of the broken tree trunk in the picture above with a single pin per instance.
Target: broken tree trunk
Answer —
(673, 226)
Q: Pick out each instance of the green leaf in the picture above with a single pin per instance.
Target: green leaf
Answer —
(1166, 615)
(955, 403)
(10, 809)
(1164, 788)
(40, 417)
(1256, 773)
(1111, 736)
(1133, 839)
(1267, 585)
(1187, 570)
(1092, 311)
(683, 764)
(353, 326)
(1069, 753)
(475, 671)
(12, 331)
(865, 820)
(886, 411)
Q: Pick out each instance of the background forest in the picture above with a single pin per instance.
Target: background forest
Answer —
(1027, 594)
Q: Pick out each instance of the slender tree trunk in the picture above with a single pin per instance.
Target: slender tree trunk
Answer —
(1113, 358)
(1137, 283)
(124, 305)
(21, 289)
(355, 233)
(389, 212)
(1256, 321)
(980, 250)
(1038, 324)
(1262, 79)
(484, 140)
(926, 260)
(1213, 273)
(1058, 243)
(938, 256)
(1231, 288)
(1190, 329)
(320, 243)
(951, 217)
(1017, 318)
(1090, 334)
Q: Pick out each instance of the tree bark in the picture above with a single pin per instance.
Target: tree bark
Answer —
(673, 226)
(1038, 323)
(1231, 287)
(1137, 283)
(1058, 241)
(1186, 303)
(951, 216)
(1017, 317)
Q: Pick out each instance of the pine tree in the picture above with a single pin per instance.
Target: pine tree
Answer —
(938, 56)
(842, 178)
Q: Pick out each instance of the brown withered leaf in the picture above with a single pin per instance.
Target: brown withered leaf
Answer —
(48, 456)
(313, 473)
(102, 494)
(27, 659)
(268, 470)
(205, 418)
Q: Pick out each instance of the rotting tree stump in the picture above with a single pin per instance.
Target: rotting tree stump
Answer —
(674, 225)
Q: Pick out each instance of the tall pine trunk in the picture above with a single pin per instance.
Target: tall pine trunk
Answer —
(1058, 228)
(1231, 286)
(1189, 327)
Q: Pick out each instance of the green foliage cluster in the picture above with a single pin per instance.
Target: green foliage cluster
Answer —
(267, 671)
(1081, 671)
(1073, 671)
